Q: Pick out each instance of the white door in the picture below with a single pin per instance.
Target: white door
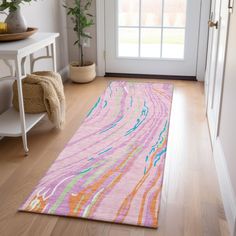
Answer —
(157, 37)
(216, 62)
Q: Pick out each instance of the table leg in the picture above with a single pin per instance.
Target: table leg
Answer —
(31, 63)
(21, 104)
(54, 60)
(23, 66)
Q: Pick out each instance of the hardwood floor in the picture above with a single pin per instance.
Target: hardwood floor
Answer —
(191, 202)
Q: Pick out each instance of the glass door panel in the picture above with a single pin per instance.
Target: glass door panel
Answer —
(151, 28)
(173, 43)
(128, 12)
(151, 13)
(128, 42)
(175, 13)
(158, 37)
(150, 45)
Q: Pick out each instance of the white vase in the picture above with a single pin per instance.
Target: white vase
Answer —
(16, 22)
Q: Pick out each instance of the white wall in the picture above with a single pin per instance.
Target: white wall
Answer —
(225, 146)
(48, 16)
(228, 110)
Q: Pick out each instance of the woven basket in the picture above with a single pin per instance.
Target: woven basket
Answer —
(33, 98)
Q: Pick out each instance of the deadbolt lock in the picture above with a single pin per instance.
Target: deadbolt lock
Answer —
(212, 24)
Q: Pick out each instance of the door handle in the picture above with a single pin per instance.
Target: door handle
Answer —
(212, 24)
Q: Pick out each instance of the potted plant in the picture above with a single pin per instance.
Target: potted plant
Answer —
(15, 21)
(81, 71)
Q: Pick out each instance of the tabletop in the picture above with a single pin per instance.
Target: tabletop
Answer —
(27, 45)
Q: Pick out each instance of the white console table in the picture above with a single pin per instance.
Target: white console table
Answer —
(13, 123)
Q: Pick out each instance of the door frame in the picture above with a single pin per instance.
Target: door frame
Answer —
(224, 180)
(202, 41)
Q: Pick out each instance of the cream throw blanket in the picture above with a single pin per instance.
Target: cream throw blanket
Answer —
(43, 91)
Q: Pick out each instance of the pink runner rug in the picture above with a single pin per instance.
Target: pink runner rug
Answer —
(112, 168)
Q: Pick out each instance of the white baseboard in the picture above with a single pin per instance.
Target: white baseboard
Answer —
(64, 73)
(227, 192)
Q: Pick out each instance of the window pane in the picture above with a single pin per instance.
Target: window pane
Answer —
(175, 13)
(128, 45)
(128, 12)
(151, 12)
(150, 43)
(173, 43)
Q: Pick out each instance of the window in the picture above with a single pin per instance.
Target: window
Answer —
(151, 28)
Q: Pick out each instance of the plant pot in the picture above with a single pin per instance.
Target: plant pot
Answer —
(82, 74)
(16, 22)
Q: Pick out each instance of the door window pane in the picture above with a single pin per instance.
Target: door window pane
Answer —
(151, 28)
(128, 12)
(151, 12)
(175, 13)
(151, 43)
(173, 43)
(128, 44)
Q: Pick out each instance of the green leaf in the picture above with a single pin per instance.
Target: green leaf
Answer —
(81, 19)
